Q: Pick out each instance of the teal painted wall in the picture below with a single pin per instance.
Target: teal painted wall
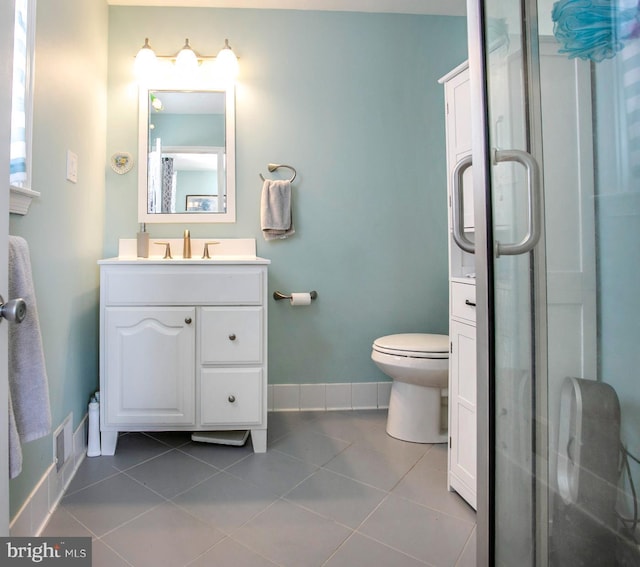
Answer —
(352, 101)
(65, 226)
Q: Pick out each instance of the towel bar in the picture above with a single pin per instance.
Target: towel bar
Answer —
(273, 166)
(278, 295)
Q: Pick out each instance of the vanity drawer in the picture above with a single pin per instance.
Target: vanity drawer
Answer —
(230, 396)
(463, 301)
(230, 335)
(177, 284)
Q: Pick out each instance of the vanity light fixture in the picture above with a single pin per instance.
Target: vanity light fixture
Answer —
(186, 61)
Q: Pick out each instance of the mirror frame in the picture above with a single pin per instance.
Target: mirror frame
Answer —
(143, 151)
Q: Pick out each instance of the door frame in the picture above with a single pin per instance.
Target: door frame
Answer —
(7, 17)
(485, 338)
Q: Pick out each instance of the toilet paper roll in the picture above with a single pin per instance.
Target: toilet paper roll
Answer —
(300, 299)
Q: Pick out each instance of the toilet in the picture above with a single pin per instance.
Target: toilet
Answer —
(419, 366)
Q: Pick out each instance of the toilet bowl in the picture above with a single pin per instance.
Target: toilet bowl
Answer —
(418, 363)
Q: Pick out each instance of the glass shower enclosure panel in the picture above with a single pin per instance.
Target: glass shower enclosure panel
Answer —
(557, 186)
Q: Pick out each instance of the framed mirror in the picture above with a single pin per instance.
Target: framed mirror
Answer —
(186, 153)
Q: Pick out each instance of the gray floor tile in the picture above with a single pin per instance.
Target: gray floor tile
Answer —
(436, 457)
(430, 536)
(424, 485)
(393, 448)
(62, 523)
(291, 536)
(273, 470)
(225, 501)
(372, 467)
(359, 550)
(468, 557)
(337, 497)
(90, 471)
(185, 538)
(107, 504)
(171, 438)
(133, 449)
(171, 473)
(310, 447)
(352, 425)
(273, 508)
(229, 553)
(281, 423)
(103, 556)
(220, 456)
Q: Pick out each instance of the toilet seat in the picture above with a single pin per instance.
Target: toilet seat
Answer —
(413, 345)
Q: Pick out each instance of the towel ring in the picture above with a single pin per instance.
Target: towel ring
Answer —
(273, 166)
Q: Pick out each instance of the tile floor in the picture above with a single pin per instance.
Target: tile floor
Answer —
(332, 489)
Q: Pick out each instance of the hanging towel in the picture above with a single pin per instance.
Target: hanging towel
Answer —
(29, 408)
(275, 209)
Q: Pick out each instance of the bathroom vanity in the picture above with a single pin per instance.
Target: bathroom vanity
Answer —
(183, 342)
(462, 316)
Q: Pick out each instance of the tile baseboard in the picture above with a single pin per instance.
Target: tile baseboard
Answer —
(32, 517)
(321, 397)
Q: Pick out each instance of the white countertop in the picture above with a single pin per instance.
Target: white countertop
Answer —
(227, 251)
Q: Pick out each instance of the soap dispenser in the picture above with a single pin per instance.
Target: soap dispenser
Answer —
(186, 248)
(143, 242)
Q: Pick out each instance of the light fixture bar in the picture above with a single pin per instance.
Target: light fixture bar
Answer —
(187, 60)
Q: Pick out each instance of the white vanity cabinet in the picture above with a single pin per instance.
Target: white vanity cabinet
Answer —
(462, 328)
(183, 347)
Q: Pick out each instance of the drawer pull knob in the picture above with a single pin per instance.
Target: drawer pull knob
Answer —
(469, 303)
(231, 398)
(187, 320)
(232, 337)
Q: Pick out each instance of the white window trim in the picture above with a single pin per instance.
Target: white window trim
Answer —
(21, 196)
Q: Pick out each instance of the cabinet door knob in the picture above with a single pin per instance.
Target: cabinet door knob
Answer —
(187, 320)
(232, 337)
(231, 398)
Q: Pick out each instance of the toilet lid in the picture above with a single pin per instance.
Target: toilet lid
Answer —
(418, 345)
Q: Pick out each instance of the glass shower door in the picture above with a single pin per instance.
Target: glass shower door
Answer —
(556, 155)
(515, 251)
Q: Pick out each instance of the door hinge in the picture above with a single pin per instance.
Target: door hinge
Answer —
(451, 347)
(449, 442)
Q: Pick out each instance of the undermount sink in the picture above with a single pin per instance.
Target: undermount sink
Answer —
(227, 250)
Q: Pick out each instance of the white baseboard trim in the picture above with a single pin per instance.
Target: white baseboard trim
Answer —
(45, 497)
(320, 397)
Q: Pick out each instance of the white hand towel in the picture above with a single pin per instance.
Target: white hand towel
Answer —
(28, 383)
(275, 209)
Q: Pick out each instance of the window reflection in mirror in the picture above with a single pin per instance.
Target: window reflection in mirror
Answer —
(189, 167)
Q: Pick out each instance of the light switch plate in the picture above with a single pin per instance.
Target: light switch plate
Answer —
(72, 166)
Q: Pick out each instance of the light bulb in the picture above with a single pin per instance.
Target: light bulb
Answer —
(186, 60)
(227, 62)
(145, 62)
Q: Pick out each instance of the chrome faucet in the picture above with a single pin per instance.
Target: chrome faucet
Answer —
(186, 248)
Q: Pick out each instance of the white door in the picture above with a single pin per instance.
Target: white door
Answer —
(6, 72)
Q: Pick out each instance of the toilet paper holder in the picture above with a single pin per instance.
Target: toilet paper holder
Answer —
(277, 295)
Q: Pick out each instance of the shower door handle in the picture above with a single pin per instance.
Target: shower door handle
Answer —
(534, 212)
(457, 206)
